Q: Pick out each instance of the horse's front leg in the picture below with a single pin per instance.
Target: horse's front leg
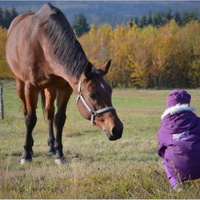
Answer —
(63, 96)
(31, 98)
(51, 139)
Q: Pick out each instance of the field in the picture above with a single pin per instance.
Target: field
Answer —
(97, 168)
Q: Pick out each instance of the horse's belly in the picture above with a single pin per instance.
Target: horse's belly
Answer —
(52, 81)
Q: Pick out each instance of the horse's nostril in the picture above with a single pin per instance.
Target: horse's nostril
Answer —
(117, 132)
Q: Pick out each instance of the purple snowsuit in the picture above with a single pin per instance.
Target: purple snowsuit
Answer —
(179, 139)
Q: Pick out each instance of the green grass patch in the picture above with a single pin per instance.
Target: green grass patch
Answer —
(128, 168)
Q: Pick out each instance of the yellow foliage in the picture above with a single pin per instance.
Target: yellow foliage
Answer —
(4, 70)
(166, 56)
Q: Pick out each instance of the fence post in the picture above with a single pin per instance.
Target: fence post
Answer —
(1, 101)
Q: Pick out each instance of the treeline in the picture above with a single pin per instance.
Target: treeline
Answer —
(161, 18)
(151, 57)
(166, 56)
(6, 16)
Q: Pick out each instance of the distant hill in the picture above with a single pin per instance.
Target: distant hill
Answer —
(112, 12)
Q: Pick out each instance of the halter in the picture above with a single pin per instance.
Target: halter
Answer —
(92, 112)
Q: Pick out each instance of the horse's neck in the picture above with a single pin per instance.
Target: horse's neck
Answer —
(73, 81)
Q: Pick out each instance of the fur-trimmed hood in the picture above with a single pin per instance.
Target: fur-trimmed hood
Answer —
(177, 109)
(178, 119)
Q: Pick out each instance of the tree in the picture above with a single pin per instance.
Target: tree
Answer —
(150, 19)
(157, 21)
(168, 15)
(119, 53)
(1, 15)
(80, 25)
(7, 19)
(185, 18)
(13, 12)
(136, 21)
(4, 70)
(193, 15)
(177, 18)
(143, 21)
(131, 22)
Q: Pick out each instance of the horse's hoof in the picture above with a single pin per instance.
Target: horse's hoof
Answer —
(23, 161)
(51, 153)
(60, 161)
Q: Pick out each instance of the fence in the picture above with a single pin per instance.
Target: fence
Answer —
(1, 102)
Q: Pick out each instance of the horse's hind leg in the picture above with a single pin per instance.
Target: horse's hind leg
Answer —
(50, 96)
(20, 91)
(30, 101)
(63, 96)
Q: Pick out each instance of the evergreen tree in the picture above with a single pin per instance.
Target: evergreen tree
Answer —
(136, 21)
(150, 19)
(168, 15)
(80, 25)
(157, 20)
(193, 16)
(1, 15)
(177, 18)
(185, 18)
(143, 21)
(13, 13)
(7, 19)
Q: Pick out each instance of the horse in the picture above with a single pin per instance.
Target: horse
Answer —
(45, 57)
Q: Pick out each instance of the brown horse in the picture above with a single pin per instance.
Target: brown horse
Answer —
(44, 55)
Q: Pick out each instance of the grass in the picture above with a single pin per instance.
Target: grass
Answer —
(97, 168)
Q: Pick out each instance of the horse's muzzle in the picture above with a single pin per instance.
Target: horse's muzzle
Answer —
(116, 133)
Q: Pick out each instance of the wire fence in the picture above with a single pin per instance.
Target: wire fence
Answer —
(5, 86)
(1, 101)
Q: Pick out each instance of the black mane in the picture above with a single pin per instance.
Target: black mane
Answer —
(65, 46)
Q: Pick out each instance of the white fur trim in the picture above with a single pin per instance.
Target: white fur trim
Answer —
(177, 109)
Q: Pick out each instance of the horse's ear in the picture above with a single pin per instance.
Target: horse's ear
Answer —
(104, 69)
(88, 70)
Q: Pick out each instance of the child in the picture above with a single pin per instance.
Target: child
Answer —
(179, 139)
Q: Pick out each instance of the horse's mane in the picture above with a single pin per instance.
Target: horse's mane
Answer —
(65, 46)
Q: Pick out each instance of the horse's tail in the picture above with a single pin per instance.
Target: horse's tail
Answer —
(43, 100)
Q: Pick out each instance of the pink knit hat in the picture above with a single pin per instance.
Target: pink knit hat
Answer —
(178, 97)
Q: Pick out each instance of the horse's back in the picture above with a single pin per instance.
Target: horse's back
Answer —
(17, 20)
(32, 19)
(20, 38)
(28, 51)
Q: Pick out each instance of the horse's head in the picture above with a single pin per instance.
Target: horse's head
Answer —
(94, 101)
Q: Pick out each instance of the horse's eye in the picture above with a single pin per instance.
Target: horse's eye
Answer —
(92, 96)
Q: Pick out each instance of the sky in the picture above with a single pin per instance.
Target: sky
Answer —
(116, 0)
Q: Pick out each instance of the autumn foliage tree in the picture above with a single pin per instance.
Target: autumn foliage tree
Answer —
(4, 71)
(150, 57)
